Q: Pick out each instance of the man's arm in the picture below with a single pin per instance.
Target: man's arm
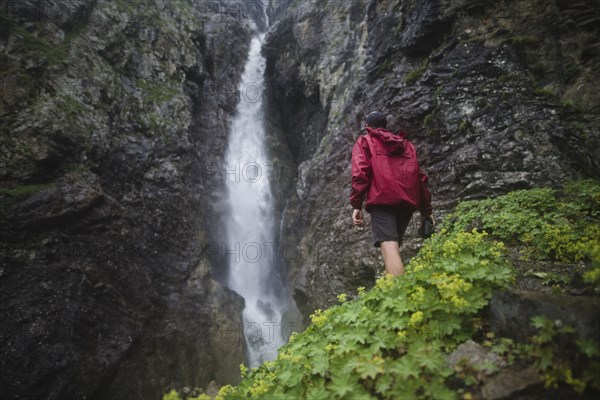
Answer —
(361, 174)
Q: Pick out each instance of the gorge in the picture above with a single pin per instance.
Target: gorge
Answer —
(118, 122)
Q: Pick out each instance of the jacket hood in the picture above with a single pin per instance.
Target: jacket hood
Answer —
(394, 144)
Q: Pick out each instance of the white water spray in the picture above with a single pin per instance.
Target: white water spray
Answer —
(250, 224)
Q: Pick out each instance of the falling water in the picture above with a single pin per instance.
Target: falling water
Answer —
(250, 225)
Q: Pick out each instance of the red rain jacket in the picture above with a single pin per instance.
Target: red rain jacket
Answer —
(385, 169)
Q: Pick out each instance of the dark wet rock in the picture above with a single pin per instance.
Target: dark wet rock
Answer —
(498, 380)
(510, 313)
(495, 98)
(475, 356)
(510, 382)
(110, 113)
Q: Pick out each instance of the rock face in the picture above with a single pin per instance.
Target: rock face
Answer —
(496, 96)
(113, 117)
(510, 313)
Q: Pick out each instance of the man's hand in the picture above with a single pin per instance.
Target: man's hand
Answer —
(430, 217)
(357, 218)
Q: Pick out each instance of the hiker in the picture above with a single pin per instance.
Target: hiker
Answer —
(386, 171)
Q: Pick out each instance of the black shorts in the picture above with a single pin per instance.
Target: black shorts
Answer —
(389, 223)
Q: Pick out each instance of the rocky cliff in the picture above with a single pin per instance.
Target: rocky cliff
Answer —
(496, 95)
(114, 115)
(114, 119)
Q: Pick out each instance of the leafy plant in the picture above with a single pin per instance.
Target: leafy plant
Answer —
(576, 367)
(390, 341)
(550, 224)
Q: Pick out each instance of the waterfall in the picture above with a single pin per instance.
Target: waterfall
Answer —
(251, 223)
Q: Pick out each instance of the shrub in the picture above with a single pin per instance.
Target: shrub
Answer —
(389, 342)
(552, 225)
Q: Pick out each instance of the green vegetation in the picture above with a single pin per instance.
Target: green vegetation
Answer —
(568, 103)
(21, 192)
(386, 66)
(52, 53)
(157, 92)
(431, 130)
(325, 146)
(592, 276)
(438, 93)
(428, 120)
(391, 341)
(510, 78)
(414, 75)
(173, 395)
(578, 126)
(547, 224)
(524, 40)
(11, 195)
(546, 352)
(464, 126)
(579, 129)
(544, 91)
(72, 107)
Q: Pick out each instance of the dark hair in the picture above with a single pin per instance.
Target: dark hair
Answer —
(376, 120)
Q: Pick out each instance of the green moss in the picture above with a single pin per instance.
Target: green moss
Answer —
(544, 91)
(524, 40)
(385, 66)
(438, 92)
(11, 195)
(428, 120)
(154, 120)
(580, 130)
(568, 103)
(72, 107)
(429, 126)
(325, 147)
(157, 92)
(52, 53)
(510, 77)
(415, 74)
(464, 126)
(19, 192)
(129, 6)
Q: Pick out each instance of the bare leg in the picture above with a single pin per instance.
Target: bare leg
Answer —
(391, 258)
